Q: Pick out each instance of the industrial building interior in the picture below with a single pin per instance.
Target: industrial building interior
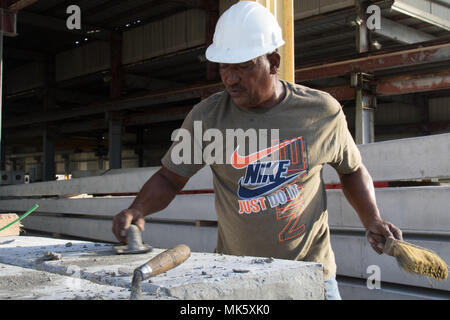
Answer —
(103, 100)
(110, 95)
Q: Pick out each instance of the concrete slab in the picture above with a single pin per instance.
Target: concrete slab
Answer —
(202, 276)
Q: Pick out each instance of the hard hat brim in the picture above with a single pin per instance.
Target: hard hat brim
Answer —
(235, 55)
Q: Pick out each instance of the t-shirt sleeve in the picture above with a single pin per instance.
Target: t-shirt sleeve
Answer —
(184, 157)
(347, 158)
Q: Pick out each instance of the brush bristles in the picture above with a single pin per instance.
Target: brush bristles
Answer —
(418, 260)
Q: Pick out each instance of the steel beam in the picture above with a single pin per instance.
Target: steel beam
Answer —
(401, 33)
(56, 24)
(161, 97)
(20, 4)
(414, 83)
(409, 56)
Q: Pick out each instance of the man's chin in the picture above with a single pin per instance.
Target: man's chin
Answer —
(241, 102)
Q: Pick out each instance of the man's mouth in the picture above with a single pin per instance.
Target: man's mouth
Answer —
(235, 91)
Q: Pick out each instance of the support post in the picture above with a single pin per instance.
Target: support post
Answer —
(115, 141)
(49, 135)
(116, 64)
(283, 10)
(362, 32)
(48, 155)
(114, 120)
(212, 15)
(139, 150)
(8, 27)
(365, 103)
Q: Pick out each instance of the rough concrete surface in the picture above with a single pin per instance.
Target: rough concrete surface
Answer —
(26, 272)
(18, 283)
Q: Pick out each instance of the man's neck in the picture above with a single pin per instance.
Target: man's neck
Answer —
(277, 97)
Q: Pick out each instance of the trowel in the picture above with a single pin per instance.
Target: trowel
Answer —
(163, 262)
(135, 244)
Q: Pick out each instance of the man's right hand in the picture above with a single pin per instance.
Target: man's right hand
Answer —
(124, 219)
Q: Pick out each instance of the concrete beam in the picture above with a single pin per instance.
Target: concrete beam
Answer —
(403, 206)
(114, 181)
(355, 255)
(403, 159)
(201, 276)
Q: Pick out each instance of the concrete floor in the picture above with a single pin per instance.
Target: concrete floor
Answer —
(89, 270)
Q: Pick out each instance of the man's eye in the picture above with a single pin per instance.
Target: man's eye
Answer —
(245, 66)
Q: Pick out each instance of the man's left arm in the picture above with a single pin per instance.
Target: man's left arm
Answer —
(359, 190)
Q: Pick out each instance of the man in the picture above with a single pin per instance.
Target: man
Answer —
(271, 202)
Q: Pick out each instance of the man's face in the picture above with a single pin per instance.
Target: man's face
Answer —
(250, 83)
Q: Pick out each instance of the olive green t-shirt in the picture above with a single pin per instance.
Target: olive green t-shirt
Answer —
(270, 197)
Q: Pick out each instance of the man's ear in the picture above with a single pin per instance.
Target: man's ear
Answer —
(274, 60)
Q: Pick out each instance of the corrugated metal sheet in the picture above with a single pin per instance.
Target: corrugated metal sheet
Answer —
(86, 59)
(26, 77)
(439, 109)
(181, 31)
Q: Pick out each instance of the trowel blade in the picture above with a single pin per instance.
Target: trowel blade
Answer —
(125, 250)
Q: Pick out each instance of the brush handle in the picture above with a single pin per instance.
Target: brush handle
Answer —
(165, 261)
(388, 246)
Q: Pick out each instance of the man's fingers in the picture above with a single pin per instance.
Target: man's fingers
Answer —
(376, 241)
(140, 223)
(126, 221)
(117, 228)
(397, 233)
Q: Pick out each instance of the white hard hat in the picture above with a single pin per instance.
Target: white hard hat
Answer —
(245, 31)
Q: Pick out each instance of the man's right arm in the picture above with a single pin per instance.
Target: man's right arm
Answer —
(154, 196)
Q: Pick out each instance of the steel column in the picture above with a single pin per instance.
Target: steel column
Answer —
(212, 15)
(115, 142)
(365, 103)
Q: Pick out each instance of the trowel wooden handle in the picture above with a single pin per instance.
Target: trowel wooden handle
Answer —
(169, 259)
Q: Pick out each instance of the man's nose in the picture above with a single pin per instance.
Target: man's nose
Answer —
(231, 78)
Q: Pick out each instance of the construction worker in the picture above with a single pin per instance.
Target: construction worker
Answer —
(270, 202)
